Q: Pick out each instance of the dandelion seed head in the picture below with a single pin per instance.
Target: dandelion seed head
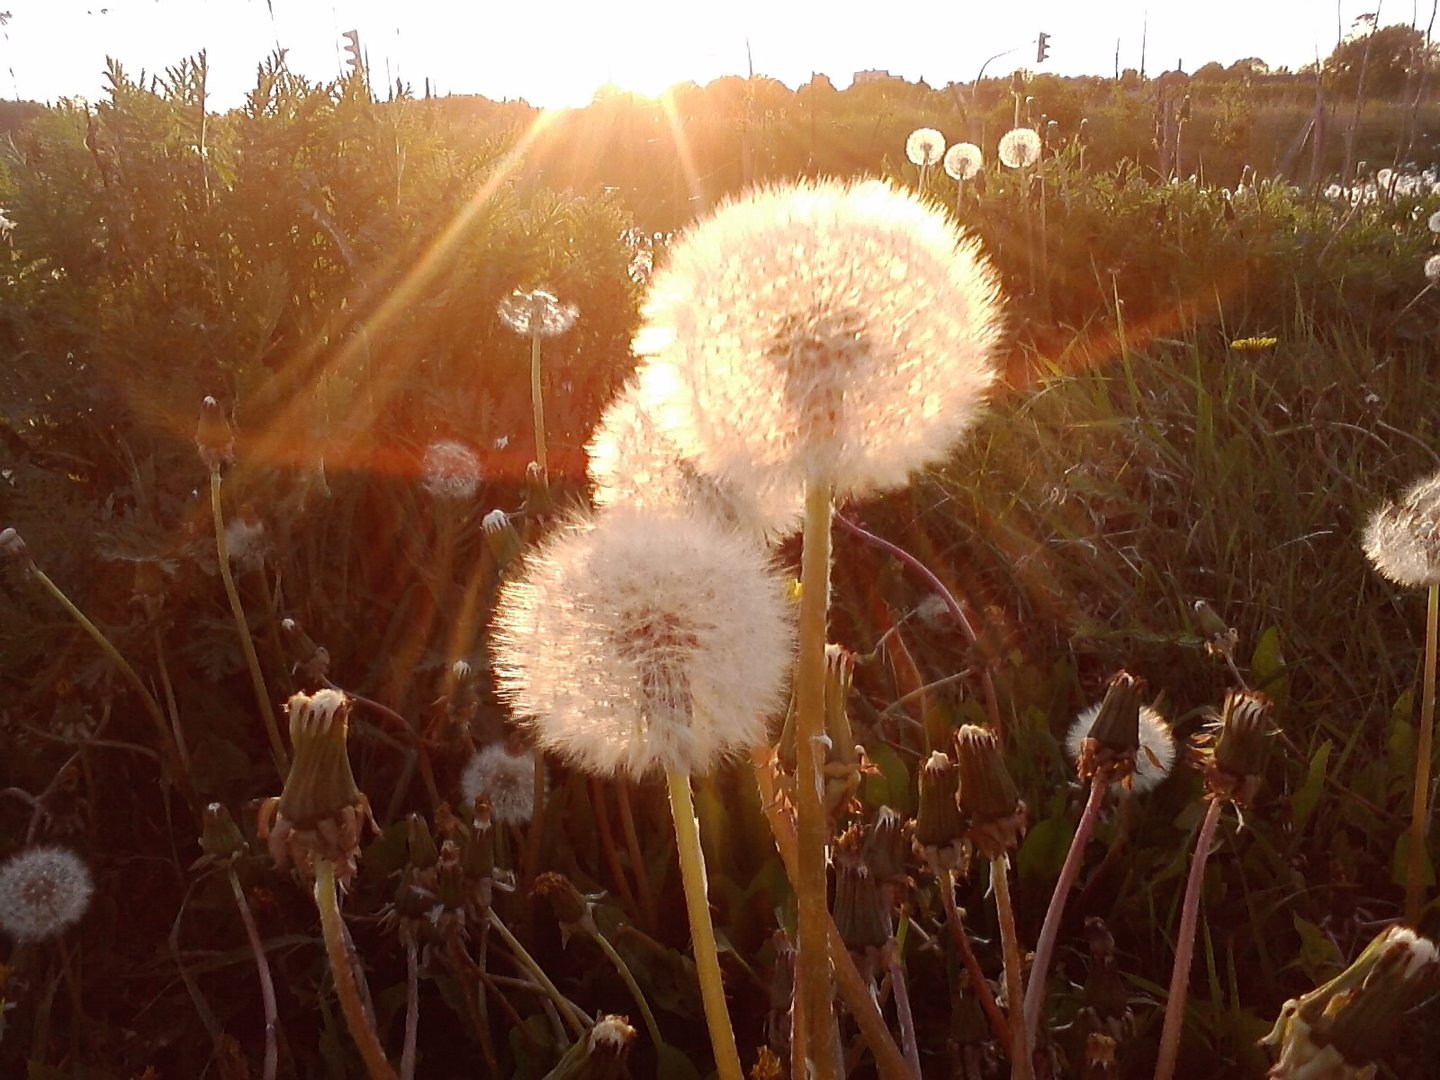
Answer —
(1019, 148)
(633, 462)
(643, 638)
(1153, 760)
(451, 470)
(963, 161)
(245, 541)
(1434, 222)
(1432, 269)
(925, 147)
(506, 779)
(537, 312)
(1402, 539)
(822, 331)
(43, 891)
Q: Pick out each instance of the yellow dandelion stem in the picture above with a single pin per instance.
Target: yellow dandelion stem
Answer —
(362, 1028)
(536, 401)
(1424, 750)
(1020, 1066)
(257, 679)
(812, 966)
(702, 930)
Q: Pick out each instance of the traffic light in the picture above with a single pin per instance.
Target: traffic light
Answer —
(352, 46)
(1042, 47)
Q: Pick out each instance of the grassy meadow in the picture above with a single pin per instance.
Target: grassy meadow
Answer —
(266, 384)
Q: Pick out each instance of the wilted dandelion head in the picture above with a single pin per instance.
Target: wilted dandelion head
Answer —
(1019, 148)
(451, 470)
(537, 312)
(506, 779)
(43, 891)
(643, 638)
(1432, 268)
(1153, 760)
(822, 331)
(925, 147)
(963, 161)
(1402, 539)
(633, 462)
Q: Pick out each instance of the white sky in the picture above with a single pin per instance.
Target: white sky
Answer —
(559, 52)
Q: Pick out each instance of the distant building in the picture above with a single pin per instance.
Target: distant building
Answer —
(873, 75)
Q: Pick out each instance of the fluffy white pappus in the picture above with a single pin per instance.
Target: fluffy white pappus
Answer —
(451, 470)
(643, 638)
(823, 331)
(1432, 269)
(632, 462)
(1402, 539)
(925, 147)
(963, 161)
(43, 891)
(245, 541)
(1019, 148)
(1154, 759)
(1434, 222)
(506, 779)
(537, 312)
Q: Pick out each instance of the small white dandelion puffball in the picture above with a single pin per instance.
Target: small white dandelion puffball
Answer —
(1434, 222)
(43, 892)
(1019, 148)
(638, 639)
(537, 312)
(1153, 760)
(1432, 269)
(631, 461)
(963, 161)
(451, 470)
(506, 779)
(819, 332)
(1402, 539)
(925, 147)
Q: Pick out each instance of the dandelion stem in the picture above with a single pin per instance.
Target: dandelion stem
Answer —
(573, 1019)
(412, 1009)
(618, 880)
(1424, 751)
(537, 403)
(267, 984)
(637, 860)
(812, 964)
(630, 983)
(903, 1015)
(257, 679)
(1050, 930)
(1020, 1063)
(702, 930)
(362, 1028)
(889, 1061)
(1185, 945)
(979, 985)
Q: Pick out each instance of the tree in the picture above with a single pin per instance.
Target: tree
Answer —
(1393, 53)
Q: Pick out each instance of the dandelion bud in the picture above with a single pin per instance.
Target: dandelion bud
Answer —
(572, 910)
(885, 847)
(859, 915)
(479, 847)
(503, 538)
(13, 547)
(43, 892)
(991, 805)
(321, 810)
(421, 845)
(1114, 733)
(220, 838)
(1238, 759)
(506, 780)
(214, 437)
(1100, 1056)
(1342, 1028)
(1220, 638)
(538, 500)
(939, 828)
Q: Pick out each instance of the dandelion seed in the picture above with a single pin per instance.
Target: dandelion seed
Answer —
(642, 639)
(537, 312)
(823, 331)
(1019, 148)
(1432, 269)
(925, 147)
(1402, 539)
(1155, 757)
(506, 779)
(963, 161)
(43, 892)
(451, 470)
